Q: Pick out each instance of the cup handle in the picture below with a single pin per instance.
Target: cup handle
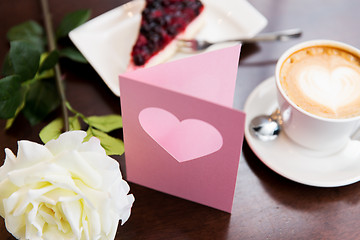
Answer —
(356, 134)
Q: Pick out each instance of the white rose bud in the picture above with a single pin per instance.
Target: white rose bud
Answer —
(65, 189)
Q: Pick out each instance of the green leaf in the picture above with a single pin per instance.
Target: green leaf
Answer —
(52, 130)
(7, 68)
(55, 127)
(71, 21)
(74, 123)
(41, 99)
(29, 31)
(106, 123)
(25, 58)
(112, 146)
(11, 96)
(45, 74)
(50, 61)
(24, 31)
(73, 54)
(10, 121)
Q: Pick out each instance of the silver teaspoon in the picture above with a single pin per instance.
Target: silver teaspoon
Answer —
(265, 127)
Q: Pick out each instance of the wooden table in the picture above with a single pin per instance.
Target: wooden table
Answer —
(266, 205)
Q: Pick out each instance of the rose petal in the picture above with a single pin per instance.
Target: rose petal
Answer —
(123, 201)
(93, 145)
(27, 197)
(66, 142)
(35, 173)
(15, 225)
(72, 211)
(10, 160)
(93, 221)
(7, 188)
(11, 203)
(106, 166)
(79, 168)
(30, 153)
(35, 220)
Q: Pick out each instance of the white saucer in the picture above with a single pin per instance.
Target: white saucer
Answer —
(293, 161)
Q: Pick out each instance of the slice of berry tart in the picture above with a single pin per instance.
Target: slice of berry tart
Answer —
(163, 21)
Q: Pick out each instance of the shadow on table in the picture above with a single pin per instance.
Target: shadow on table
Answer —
(249, 49)
(156, 215)
(296, 195)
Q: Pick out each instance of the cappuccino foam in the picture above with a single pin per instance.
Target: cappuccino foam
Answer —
(324, 81)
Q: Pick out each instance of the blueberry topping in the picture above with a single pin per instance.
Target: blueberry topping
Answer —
(161, 21)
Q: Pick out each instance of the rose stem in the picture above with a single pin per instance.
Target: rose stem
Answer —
(52, 47)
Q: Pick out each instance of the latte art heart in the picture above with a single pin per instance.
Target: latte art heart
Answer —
(323, 80)
(332, 88)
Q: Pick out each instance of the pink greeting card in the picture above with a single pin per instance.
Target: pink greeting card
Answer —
(181, 134)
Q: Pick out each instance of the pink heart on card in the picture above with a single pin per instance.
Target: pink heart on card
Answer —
(184, 140)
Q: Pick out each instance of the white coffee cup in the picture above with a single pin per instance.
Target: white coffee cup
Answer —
(307, 129)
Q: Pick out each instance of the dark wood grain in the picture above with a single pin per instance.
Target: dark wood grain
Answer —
(266, 205)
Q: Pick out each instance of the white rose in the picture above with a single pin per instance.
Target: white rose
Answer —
(65, 189)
